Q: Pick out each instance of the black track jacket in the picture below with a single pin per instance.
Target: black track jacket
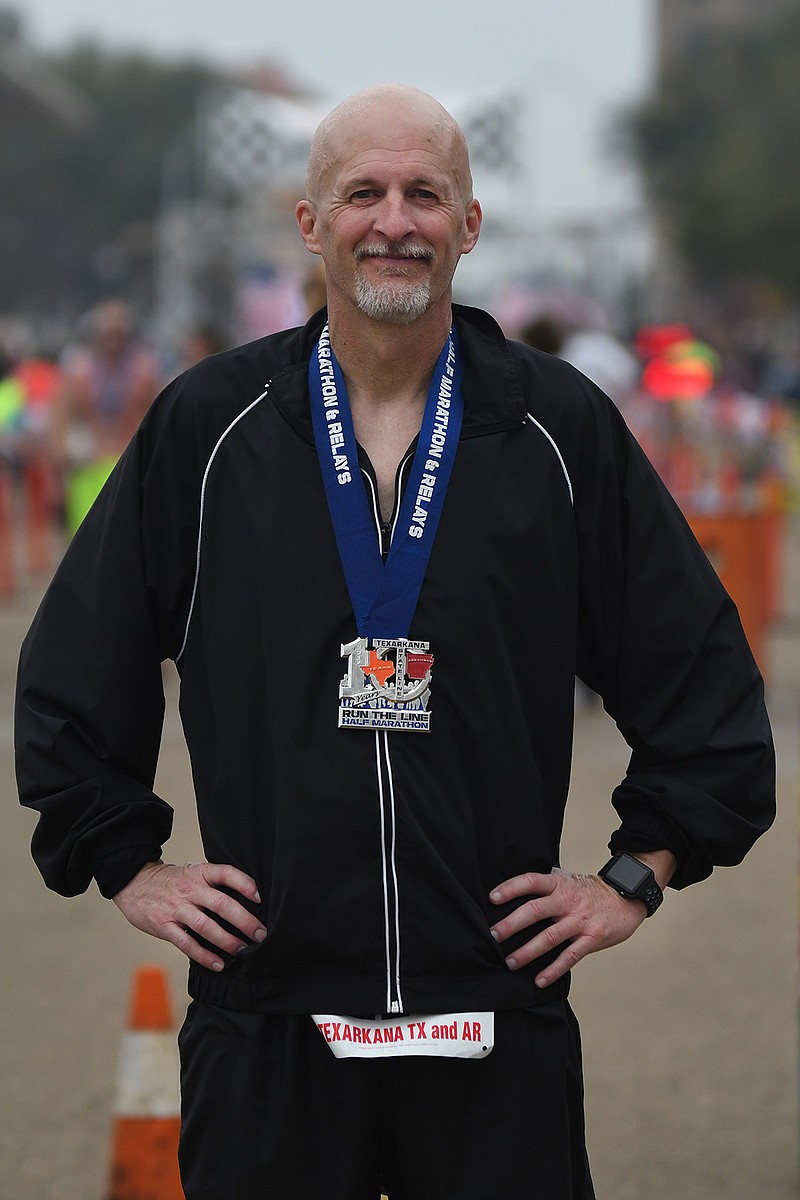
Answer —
(559, 551)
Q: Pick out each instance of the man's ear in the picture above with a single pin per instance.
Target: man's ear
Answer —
(306, 216)
(474, 216)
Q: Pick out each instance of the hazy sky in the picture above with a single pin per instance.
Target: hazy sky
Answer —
(572, 62)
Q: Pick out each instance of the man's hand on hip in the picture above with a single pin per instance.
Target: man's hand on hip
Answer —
(583, 911)
(180, 904)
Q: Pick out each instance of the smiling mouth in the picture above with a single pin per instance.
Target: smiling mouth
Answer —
(395, 253)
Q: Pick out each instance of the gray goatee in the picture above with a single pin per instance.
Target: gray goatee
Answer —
(394, 299)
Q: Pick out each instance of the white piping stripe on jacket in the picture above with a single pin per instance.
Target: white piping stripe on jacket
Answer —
(232, 425)
(394, 1003)
(551, 440)
(393, 859)
(384, 870)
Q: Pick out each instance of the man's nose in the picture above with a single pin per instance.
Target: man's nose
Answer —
(394, 218)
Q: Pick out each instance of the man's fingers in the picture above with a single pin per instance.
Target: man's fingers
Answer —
(543, 903)
(224, 875)
(199, 923)
(184, 941)
(233, 913)
(570, 956)
(216, 875)
(527, 914)
(546, 941)
(532, 883)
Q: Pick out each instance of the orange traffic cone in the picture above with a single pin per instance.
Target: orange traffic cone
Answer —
(144, 1155)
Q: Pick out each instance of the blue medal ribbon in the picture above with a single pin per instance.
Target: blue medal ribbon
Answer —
(384, 595)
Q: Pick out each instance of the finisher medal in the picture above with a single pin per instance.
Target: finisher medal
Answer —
(388, 678)
(386, 687)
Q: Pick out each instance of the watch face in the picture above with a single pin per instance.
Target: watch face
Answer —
(628, 873)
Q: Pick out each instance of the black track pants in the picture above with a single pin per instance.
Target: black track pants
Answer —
(270, 1114)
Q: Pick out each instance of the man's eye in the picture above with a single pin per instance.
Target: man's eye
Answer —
(424, 194)
(361, 194)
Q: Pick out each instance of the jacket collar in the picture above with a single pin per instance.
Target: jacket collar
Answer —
(493, 397)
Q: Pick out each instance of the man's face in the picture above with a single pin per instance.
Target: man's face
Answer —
(392, 217)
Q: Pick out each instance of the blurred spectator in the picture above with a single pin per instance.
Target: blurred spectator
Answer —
(543, 333)
(12, 410)
(105, 391)
(197, 344)
(202, 341)
(598, 355)
(40, 379)
(604, 360)
(314, 292)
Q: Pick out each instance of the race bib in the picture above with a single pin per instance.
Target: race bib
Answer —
(446, 1035)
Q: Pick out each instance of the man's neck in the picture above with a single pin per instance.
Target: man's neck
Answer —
(388, 370)
(387, 365)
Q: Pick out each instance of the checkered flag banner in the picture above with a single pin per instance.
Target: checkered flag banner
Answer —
(491, 125)
(252, 139)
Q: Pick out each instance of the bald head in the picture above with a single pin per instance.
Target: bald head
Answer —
(369, 115)
(389, 207)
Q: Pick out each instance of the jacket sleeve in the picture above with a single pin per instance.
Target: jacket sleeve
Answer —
(662, 643)
(90, 702)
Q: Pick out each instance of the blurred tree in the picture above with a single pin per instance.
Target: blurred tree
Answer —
(717, 147)
(78, 201)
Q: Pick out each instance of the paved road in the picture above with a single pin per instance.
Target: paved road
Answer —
(689, 1029)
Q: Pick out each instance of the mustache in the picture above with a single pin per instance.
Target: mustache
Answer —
(395, 250)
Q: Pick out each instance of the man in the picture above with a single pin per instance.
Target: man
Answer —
(378, 548)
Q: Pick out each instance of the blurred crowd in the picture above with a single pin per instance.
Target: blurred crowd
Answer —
(70, 414)
(721, 425)
(722, 428)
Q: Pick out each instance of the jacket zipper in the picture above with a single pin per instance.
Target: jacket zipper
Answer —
(383, 760)
(385, 782)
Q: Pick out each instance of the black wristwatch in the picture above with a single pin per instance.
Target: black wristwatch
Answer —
(632, 879)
